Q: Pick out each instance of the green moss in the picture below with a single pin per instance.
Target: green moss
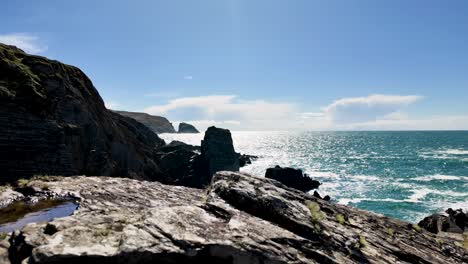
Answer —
(416, 228)
(22, 182)
(390, 231)
(2, 235)
(314, 209)
(4, 187)
(46, 178)
(340, 218)
(361, 243)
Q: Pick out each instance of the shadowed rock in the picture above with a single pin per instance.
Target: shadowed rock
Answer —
(218, 151)
(187, 128)
(456, 221)
(293, 178)
(53, 121)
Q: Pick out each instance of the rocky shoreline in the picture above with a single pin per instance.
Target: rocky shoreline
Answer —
(149, 201)
(239, 218)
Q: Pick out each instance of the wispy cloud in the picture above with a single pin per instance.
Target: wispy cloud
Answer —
(385, 112)
(188, 77)
(25, 41)
(229, 109)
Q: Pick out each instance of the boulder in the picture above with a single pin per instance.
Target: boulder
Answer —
(157, 124)
(456, 221)
(293, 178)
(238, 219)
(187, 128)
(54, 122)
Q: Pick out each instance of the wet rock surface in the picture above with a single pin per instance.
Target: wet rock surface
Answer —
(54, 122)
(293, 178)
(237, 219)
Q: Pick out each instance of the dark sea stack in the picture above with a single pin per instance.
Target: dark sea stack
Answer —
(53, 121)
(239, 218)
(157, 124)
(456, 221)
(218, 152)
(187, 128)
(293, 178)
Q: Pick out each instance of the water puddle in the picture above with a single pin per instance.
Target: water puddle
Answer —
(21, 213)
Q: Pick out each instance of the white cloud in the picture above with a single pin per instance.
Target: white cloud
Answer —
(234, 112)
(372, 107)
(188, 77)
(25, 41)
(373, 112)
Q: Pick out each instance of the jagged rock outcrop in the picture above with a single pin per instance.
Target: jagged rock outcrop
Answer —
(187, 128)
(157, 124)
(456, 221)
(238, 219)
(218, 152)
(53, 121)
(293, 178)
(192, 166)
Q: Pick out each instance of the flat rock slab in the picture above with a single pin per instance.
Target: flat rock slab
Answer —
(237, 219)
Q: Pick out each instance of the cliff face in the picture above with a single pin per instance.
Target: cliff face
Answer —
(238, 219)
(53, 121)
(157, 124)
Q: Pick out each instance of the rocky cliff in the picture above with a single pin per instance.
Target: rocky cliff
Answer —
(237, 219)
(157, 124)
(53, 121)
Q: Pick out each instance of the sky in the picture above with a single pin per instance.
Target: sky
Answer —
(262, 65)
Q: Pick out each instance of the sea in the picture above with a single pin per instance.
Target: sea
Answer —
(401, 174)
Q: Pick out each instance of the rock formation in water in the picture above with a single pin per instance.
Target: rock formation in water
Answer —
(456, 221)
(218, 152)
(53, 121)
(157, 124)
(187, 128)
(238, 219)
(293, 178)
(192, 166)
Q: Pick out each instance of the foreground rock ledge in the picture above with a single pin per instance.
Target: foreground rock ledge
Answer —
(238, 219)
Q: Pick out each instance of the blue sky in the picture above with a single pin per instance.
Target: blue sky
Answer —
(262, 65)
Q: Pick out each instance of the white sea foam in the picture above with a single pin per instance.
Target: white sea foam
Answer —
(441, 177)
(322, 174)
(346, 201)
(364, 177)
(453, 151)
(420, 194)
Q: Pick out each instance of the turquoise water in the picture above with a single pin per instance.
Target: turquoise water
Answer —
(406, 175)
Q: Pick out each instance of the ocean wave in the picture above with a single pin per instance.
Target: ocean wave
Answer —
(440, 177)
(364, 177)
(323, 174)
(453, 151)
(347, 201)
(420, 194)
